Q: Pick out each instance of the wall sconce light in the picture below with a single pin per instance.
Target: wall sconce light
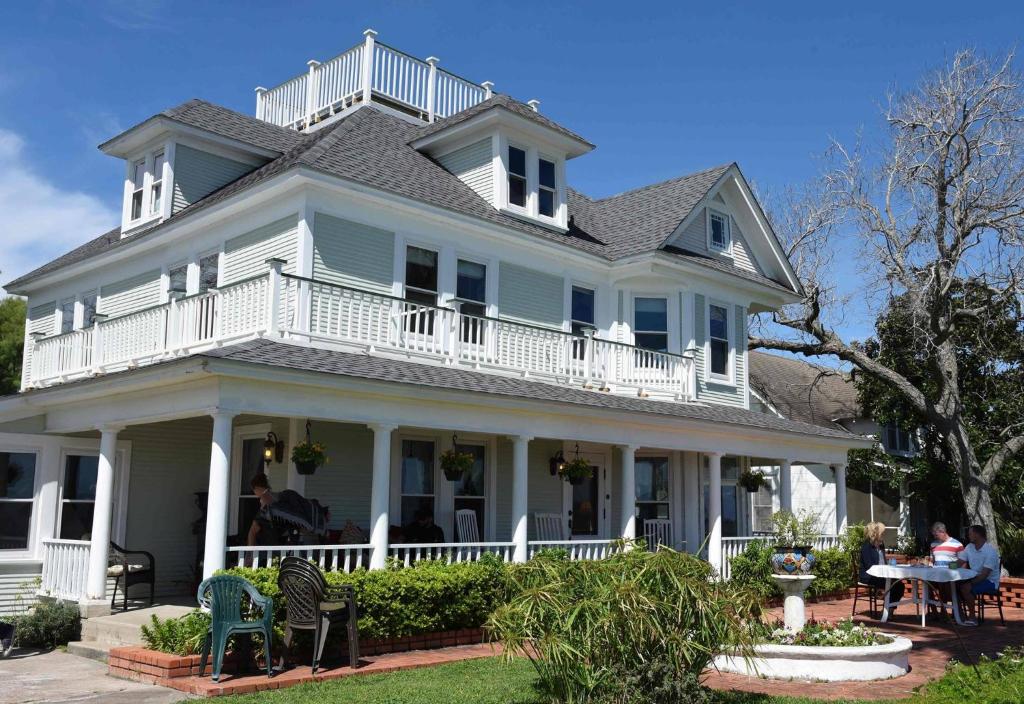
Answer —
(556, 463)
(273, 449)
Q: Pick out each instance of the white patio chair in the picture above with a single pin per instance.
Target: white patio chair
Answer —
(658, 533)
(549, 526)
(466, 526)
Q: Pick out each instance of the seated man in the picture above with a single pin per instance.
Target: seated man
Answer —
(423, 529)
(945, 553)
(980, 556)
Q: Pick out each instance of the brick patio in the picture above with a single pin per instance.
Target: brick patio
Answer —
(934, 646)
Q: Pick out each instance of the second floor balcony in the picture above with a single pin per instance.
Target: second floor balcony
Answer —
(319, 313)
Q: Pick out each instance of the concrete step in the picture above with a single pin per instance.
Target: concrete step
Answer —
(101, 633)
(89, 649)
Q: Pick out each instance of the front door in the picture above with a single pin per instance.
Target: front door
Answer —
(586, 504)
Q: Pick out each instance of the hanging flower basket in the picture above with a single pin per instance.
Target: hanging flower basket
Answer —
(308, 456)
(456, 465)
(751, 481)
(575, 471)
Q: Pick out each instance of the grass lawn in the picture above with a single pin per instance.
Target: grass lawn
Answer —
(487, 681)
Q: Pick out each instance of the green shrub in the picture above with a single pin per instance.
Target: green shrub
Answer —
(48, 624)
(428, 597)
(637, 626)
(178, 636)
(1011, 548)
(752, 569)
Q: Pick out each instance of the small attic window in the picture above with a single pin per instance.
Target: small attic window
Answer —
(718, 229)
(138, 188)
(546, 191)
(517, 177)
(156, 189)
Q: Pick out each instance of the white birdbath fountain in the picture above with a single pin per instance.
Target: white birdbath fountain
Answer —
(793, 587)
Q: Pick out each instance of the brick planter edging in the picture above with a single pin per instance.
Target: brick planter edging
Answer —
(1013, 591)
(134, 662)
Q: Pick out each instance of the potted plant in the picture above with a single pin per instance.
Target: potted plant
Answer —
(455, 464)
(751, 481)
(794, 537)
(308, 455)
(575, 470)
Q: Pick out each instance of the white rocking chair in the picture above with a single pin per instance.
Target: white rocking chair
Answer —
(658, 533)
(466, 527)
(549, 527)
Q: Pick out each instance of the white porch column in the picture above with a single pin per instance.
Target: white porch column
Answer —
(99, 547)
(715, 510)
(217, 510)
(840, 498)
(785, 486)
(520, 471)
(380, 495)
(693, 496)
(627, 509)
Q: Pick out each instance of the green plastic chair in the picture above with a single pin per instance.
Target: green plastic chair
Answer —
(222, 595)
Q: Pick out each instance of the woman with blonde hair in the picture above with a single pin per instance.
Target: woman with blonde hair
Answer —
(872, 552)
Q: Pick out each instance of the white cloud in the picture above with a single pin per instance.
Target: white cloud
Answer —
(39, 220)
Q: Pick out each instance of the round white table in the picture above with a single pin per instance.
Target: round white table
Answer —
(921, 576)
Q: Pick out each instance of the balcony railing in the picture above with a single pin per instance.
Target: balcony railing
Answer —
(367, 70)
(65, 569)
(320, 313)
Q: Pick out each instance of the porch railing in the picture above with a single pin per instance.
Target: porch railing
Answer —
(369, 69)
(577, 549)
(410, 553)
(333, 558)
(65, 569)
(731, 547)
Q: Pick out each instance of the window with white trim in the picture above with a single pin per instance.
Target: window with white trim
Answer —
(88, 309)
(650, 323)
(209, 270)
(652, 488)
(17, 490)
(138, 189)
(718, 231)
(897, 439)
(417, 479)
(581, 317)
(547, 195)
(517, 176)
(761, 508)
(67, 315)
(718, 341)
(156, 186)
(470, 492)
(78, 496)
(177, 279)
(251, 464)
(471, 293)
(420, 287)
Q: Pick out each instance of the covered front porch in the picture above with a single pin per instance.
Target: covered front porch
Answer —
(177, 445)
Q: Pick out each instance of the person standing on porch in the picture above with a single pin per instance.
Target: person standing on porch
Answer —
(872, 552)
(262, 531)
(982, 557)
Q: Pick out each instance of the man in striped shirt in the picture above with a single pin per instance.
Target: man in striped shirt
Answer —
(945, 549)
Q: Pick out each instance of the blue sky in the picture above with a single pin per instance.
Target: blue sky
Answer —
(661, 89)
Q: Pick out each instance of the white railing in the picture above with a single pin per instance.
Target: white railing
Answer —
(376, 321)
(333, 558)
(410, 553)
(731, 547)
(366, 70)
(180, 326)
(577, 549)
(65, 569)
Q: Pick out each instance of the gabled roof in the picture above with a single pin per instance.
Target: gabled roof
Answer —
(803, 391)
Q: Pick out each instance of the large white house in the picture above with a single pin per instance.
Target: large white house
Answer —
(389, 255)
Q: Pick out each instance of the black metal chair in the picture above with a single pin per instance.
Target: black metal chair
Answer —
(313, 605)
(127, 569)
(995, 600)
(870, 590)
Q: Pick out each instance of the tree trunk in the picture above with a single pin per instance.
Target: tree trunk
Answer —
(973, 482)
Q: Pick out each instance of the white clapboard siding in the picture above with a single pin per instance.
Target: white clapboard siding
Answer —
(709, 391)
(530, 295)
(474, 167)
(352, 254)
(138, 292)
(694, 236)
(246, 256)
(17, 586)
(198, 173)
(741, 254)
(41, 318)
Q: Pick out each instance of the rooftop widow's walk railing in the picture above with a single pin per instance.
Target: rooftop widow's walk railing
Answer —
(368, 69)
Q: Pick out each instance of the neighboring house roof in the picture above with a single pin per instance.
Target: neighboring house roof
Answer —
(371, 147)
(497, 101)
(803, 391)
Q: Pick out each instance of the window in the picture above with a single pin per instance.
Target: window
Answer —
(17, 486)
(138, 184)
(417, 479)
(79, 496)
(761, 510)
(67, 315)
(177, 279)
(208, 272)
(252, 464)
(719, 229)
(156, 188)
(471, 292)
(420, 287)
(651, 488)
(88, 309)
(730, 497)
(546, 191)
(897, 439)
(650, 321)
(718, 330)
(469, 492)
(582, 317)
(517, 177)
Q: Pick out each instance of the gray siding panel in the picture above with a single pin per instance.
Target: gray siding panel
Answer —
(352, 254)
(344, 485)
(472, 164)
(709, 391)
(694, 237)
(741, 255)
(530, 295)
(140, 291)
(43, 318)
(18, 584)
(198, 174)
(246, 255)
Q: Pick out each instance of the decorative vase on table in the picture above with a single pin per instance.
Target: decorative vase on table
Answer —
(792, 560)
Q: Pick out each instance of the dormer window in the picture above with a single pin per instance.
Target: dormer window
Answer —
(145, 188)
(517, 177)
(718, 231)
(138, 188)
(156, 189)
(547, 197)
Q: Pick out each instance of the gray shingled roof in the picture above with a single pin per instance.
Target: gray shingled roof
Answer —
(372, 148)
(497, 101)
(803, 391)
(311, 359)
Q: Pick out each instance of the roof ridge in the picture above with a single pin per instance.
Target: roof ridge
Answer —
(667, 181)
(803, 362)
